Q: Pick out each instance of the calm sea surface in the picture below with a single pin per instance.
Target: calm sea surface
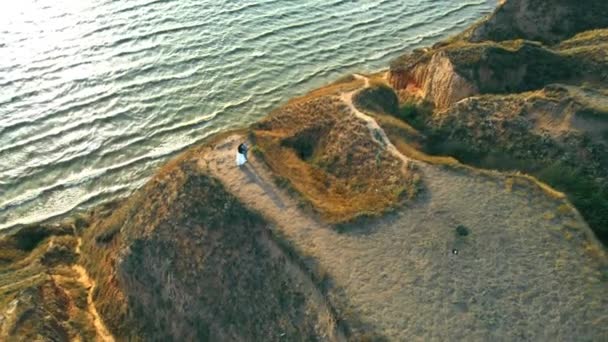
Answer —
(95, 93)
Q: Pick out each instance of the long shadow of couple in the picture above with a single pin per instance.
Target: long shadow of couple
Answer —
(254, 176)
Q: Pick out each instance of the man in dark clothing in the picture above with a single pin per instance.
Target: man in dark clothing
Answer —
(241, 154)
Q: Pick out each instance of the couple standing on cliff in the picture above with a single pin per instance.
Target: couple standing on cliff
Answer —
(241, 154)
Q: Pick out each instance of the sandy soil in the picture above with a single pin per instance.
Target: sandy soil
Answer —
(103, 334)
(525, 271)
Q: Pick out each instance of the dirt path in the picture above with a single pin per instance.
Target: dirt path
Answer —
(375, 130)
(253, 185)
(83, 277)
(14, 284)
(515, 275)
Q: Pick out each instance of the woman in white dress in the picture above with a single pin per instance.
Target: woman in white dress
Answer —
(241, 154)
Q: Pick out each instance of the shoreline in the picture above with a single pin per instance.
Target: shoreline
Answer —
(69, 218)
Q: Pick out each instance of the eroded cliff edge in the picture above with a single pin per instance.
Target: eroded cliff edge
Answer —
(518, 105)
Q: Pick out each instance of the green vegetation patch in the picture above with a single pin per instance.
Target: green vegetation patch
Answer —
(378, 99)
(512, 66)
(415, 114)
(18, 244)
(462, 231)
(329, 156)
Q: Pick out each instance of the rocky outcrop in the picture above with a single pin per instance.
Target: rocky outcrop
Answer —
(434, 80)
(453, 71)
(445, 75)
(547, 21)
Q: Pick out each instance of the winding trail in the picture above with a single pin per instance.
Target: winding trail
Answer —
(515, 274)
(83, 277)
(375, 130)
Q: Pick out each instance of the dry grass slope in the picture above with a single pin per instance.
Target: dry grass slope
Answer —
(40, 295)
(318, 147)
(184, 260)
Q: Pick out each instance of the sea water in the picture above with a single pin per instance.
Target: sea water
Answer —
(94, 94)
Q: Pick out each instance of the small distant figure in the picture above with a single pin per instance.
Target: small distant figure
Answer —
(241, 154)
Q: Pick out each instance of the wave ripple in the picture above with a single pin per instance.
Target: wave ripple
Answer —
(95, 96)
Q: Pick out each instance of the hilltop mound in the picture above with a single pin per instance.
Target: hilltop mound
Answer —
(332, 158)
(184, 260)
(547, 21)
(397, 277)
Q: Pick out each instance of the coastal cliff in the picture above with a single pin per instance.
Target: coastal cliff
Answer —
(453, 71)
(519, 105)
(458, 196)
(545, 21)
(435, 79)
